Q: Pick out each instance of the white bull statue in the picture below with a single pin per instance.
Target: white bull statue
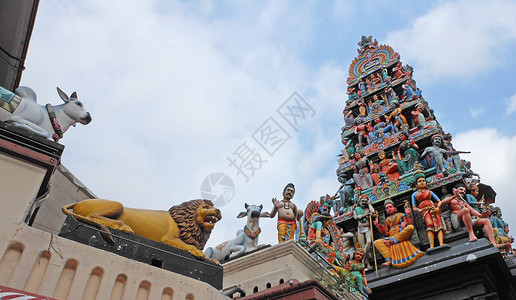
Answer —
(20, 109)
(246, 239)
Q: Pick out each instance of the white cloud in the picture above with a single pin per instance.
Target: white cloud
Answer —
(493, 159)
(476, 111)
(511, 105)
(458, 39)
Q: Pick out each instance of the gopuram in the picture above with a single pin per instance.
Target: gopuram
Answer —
(410, 220)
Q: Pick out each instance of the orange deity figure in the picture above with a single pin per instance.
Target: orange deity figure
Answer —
(398, 228)
(288, 214)
(396, 117)
(387, 166)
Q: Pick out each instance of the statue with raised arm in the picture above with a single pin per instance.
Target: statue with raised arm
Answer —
(396, 247)
(288, 214)
(463, 214)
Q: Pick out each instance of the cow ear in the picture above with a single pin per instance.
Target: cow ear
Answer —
(74, 95)
(265, 215)
(63, 95)
(242, 214)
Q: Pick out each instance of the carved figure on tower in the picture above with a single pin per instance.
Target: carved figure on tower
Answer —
(398, 228)
(288, 214)
(464, 215)
(386, 166)
(396, 117)
(407, 154)
(423, 201)
(363, 214)
(356, 270)
(362, 176)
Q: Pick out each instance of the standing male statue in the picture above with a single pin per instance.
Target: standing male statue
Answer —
(362, 213)
(287, 215)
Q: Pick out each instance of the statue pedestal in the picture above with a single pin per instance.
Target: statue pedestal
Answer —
(468, 270)
(27, 162)
(143, 250)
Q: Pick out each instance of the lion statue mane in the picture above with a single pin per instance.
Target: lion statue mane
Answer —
(185, 217)
(186, 226)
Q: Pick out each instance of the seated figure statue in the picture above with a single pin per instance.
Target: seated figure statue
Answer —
(396, 247)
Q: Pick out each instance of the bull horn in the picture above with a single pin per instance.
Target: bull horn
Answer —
(261, 206)
(74, 95)
(246, 205)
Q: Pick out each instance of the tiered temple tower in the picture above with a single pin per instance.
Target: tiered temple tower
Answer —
(391, 139)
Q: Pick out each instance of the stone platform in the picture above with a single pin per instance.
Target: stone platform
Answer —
(143, 250)
(466, 270)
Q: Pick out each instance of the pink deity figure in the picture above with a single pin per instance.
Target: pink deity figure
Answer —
(398, 71)
(375, 79)
(386, 166)
(363, 131)
(463, 214)
(369, 85)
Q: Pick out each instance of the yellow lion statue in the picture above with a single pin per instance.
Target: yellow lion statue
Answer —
(186, 226)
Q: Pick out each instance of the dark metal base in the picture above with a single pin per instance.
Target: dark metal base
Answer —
(143, 250)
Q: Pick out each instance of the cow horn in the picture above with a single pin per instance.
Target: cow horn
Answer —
(74, 95)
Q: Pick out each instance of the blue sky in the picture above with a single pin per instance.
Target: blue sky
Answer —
(175, 88)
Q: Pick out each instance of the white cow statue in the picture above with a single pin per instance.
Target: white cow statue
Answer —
(48, 121)
(246, 239)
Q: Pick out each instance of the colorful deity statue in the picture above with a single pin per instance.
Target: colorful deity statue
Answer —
(421, 122)
(389, 95)
(362, 175)
(471, 198)
(363, 131)
(423, 201)
(345, 195)
(363, 108)
(348, 118)
(356, 270)
(288, 214)
(381, 128)
(352, 94)
(396, 117)
(386, 166)
(454, 158)
(385, 75)
(399, 71)
(464, 215)
(375, 79)
(407, 154)
(409, 91)
(435, 152)
(398, 228)
(363, 214)
(362, 85)
(319, 221)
